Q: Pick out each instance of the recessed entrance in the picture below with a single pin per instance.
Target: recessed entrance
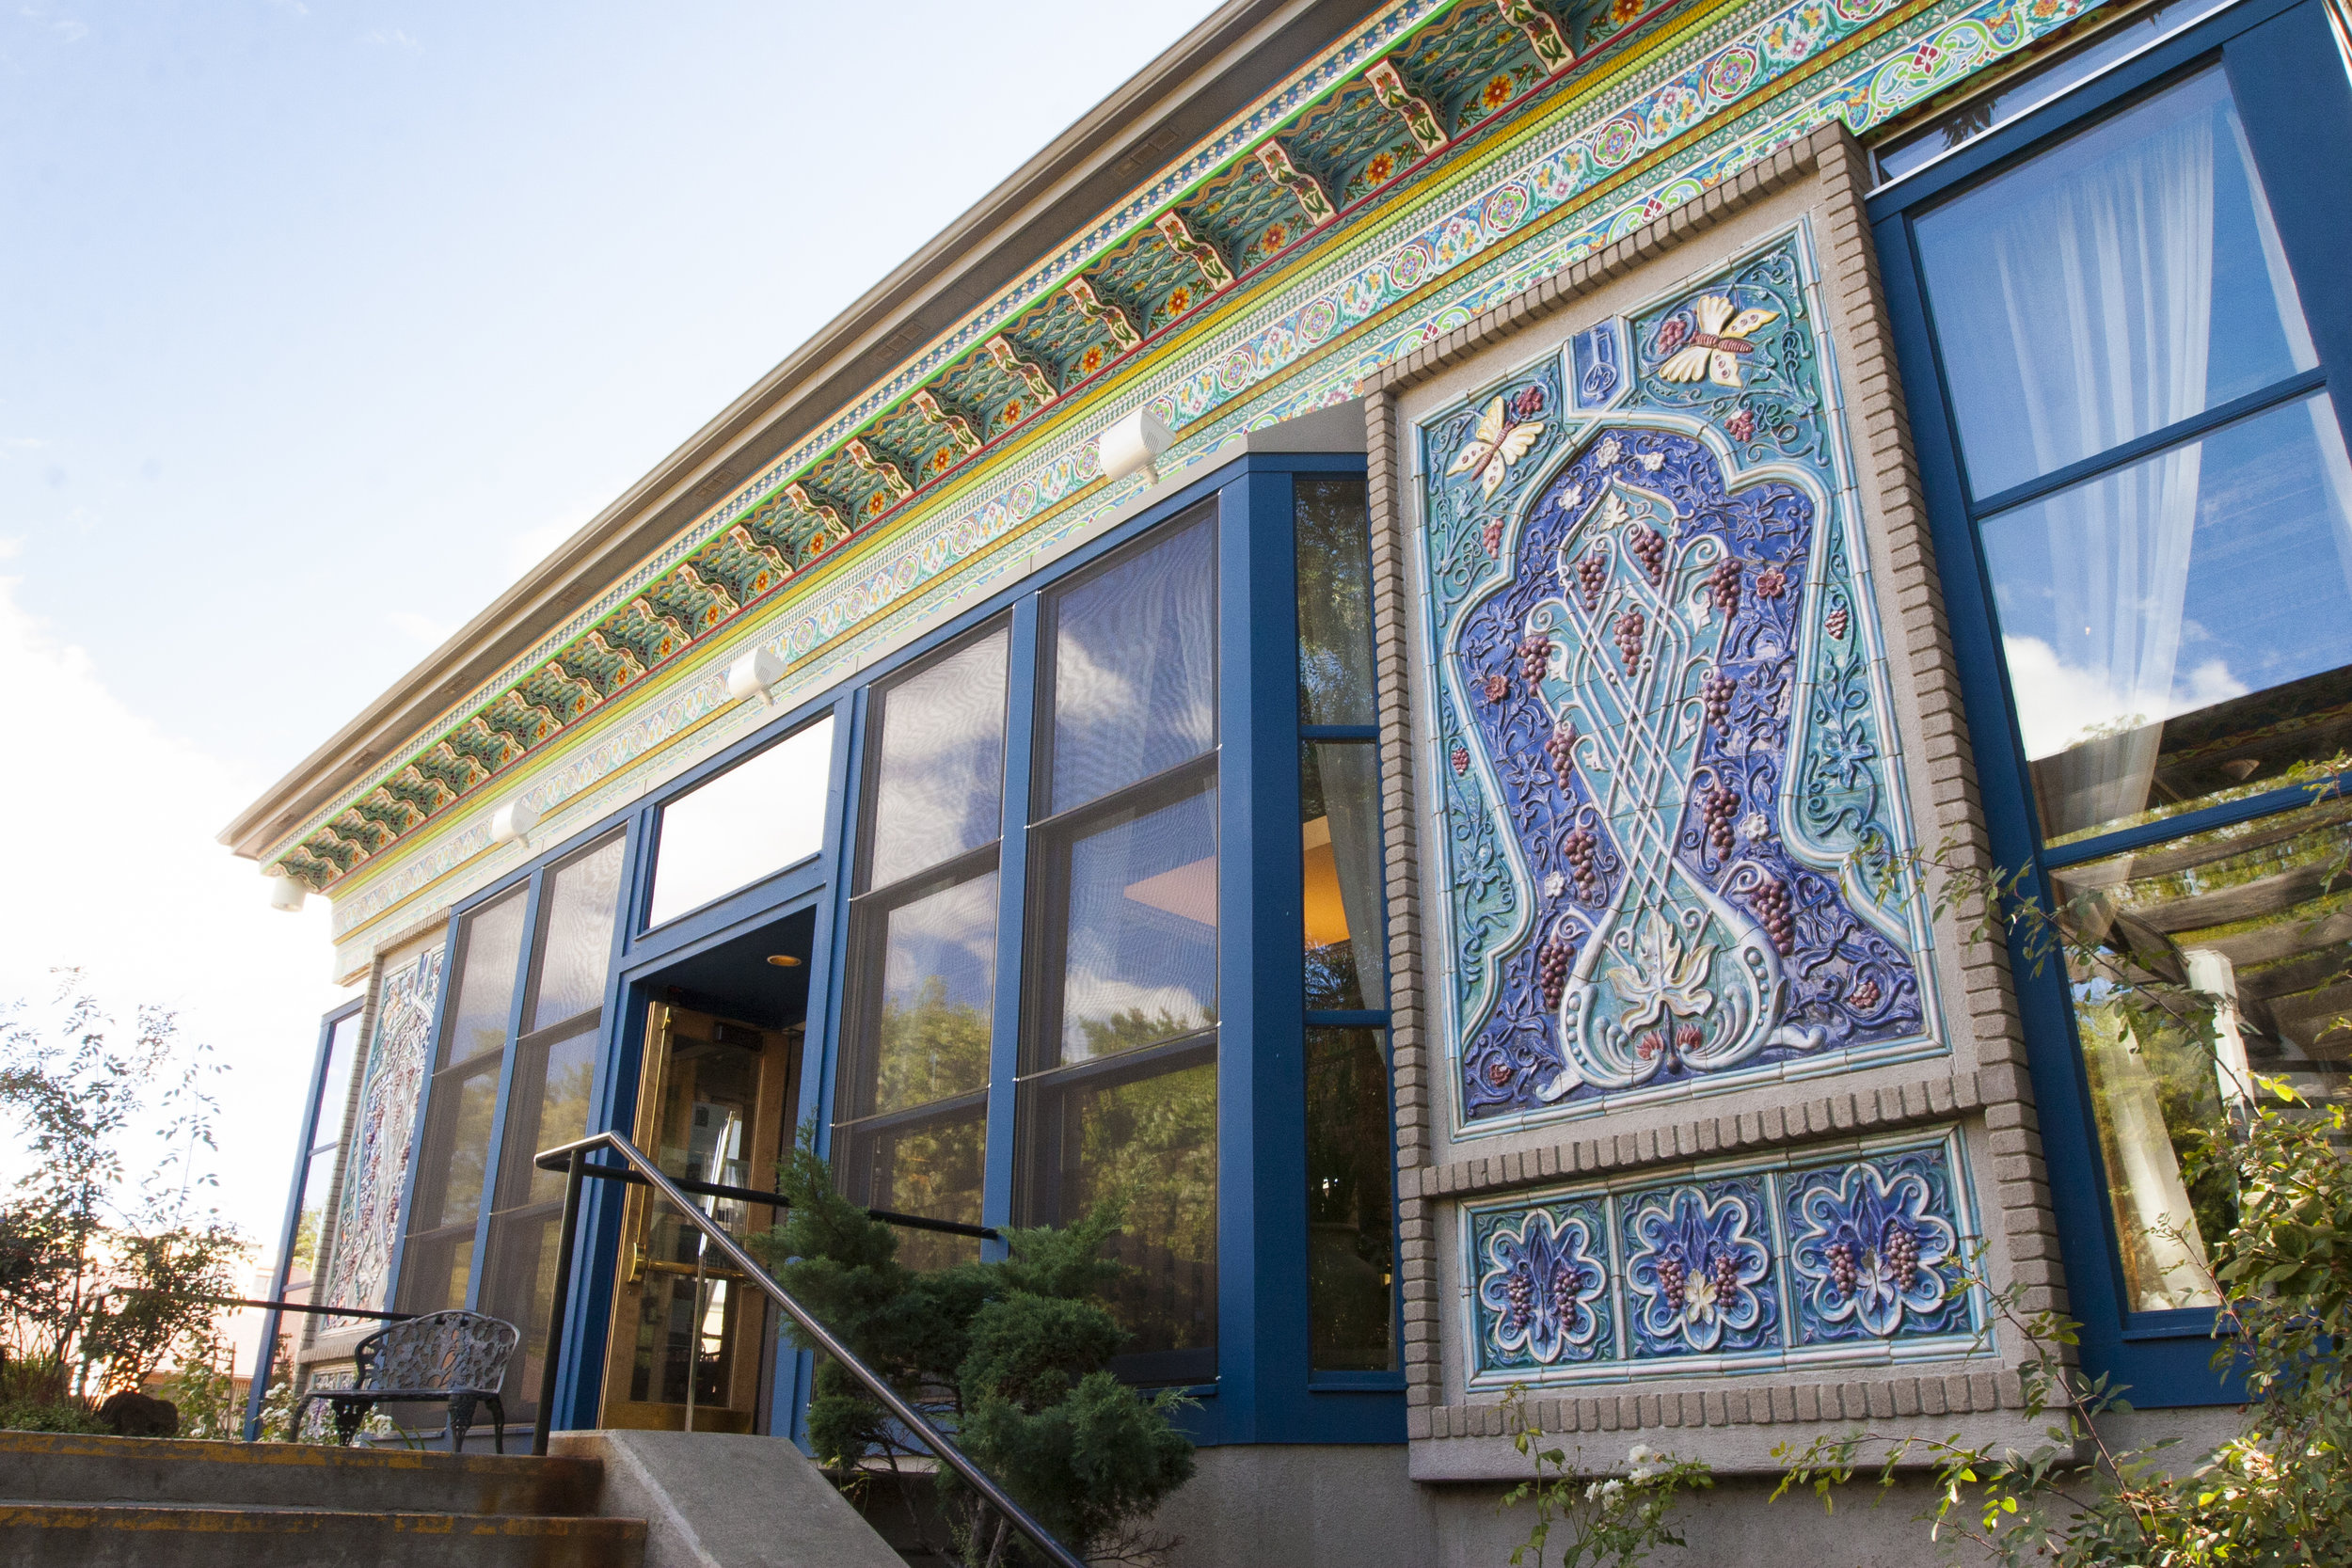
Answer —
(717, 1100)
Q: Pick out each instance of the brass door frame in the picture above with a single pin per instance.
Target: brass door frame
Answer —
(776, 1088)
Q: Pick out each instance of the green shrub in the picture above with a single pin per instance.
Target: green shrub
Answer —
(1008, 1357)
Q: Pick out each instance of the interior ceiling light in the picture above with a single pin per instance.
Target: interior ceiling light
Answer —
(784, 961)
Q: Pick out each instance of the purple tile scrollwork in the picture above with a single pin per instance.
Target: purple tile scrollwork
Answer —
(1672, 801)
(1747, 1269)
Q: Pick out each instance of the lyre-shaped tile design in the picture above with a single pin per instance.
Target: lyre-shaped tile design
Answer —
(1673, 815)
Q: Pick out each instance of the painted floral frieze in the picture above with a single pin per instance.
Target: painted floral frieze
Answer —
(1670, 783)
(1753, 1267)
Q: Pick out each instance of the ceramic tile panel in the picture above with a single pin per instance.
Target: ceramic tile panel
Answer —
(375, 1170)
(1812, 1260)
(1671, 799)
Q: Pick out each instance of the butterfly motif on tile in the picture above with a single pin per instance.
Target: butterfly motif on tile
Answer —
(1494, 447)
(1713, 351)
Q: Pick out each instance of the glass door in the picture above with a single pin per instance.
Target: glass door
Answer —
(714, 1103)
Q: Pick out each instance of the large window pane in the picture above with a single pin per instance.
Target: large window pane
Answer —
(548, 1107)
(938, 984)
(576, 947)
(2255, 915)
(1340, 839)
(1145, 1140)
(940, 764)
(758, 817)
(343, 1054)
(931, 1165)
(2178, 629)
(1351, 1196)
(1135, 667)
(1334, 546)
(2121, 281)
(450, 1192)
(485, 990)
(1138, 933)
(318, 1179)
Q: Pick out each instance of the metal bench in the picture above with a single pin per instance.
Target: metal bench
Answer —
(456, 1359)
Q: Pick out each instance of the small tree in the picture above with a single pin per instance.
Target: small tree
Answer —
(1009, 1357)
(106, 1259)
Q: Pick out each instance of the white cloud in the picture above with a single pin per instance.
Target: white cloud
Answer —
(2059, 704)
(111, 866)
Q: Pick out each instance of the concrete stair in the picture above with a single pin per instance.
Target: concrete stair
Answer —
(99, 1502)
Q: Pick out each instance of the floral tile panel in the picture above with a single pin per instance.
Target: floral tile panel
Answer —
(1754, 1268)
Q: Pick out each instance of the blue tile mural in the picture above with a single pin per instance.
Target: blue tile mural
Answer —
(1747, 1268)
(1673, 812)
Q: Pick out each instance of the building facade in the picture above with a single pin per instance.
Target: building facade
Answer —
(1482, 843)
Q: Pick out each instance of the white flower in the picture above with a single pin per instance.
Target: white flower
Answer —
(1592, 1492)
(1653, 461)
(1754, 826)
(1610, 1492)
(1641, 1453)
(1641, 1474)
(1607, 451)
(1555, 885)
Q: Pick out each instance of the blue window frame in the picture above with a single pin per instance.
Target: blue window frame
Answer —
(2125, 348)
(307, 1234)
(518, 1054)
(1301, 1229)
(1113, 912)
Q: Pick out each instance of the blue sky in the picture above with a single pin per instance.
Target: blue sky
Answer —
(324, 320)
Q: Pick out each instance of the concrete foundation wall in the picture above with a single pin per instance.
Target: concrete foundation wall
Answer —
(1279, 1506)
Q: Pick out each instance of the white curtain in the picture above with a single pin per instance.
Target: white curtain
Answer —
(2106, 281)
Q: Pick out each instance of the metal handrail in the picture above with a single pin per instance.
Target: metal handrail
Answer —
(572, 1159)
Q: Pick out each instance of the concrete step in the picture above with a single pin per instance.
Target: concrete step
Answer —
(126, 1535)
(55, 1467)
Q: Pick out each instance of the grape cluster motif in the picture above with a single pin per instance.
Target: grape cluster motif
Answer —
(1592, 576)
(1672, 1278)
(1770, 902)
(1836, 624)
(1770, 583)
(1720, 807)
(1630, 629)
(1534, 661)
(1900, 1250)
(1559, 746)
(1726, 1277)
(1492, 536)
(1582, 851)
(1460, 758)
(1865, 995)
(1843, 1275)
(1522, 1293)
(1715, 692)
(1723, 584)
(1552, 963)
(1741, 424)
(1564, 1306)
(1650, 545)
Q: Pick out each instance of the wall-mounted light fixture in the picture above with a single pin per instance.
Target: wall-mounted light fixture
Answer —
(753, 674)
(511, 821)
(1133, 445)
(287, 894)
